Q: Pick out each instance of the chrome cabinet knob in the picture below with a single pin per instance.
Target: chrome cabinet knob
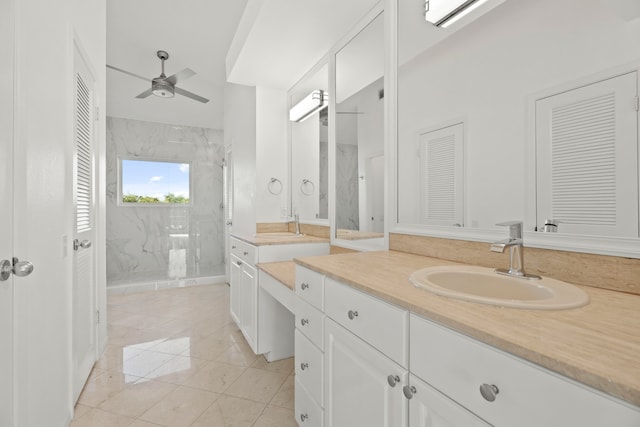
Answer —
(233, 247)
(393, 380)
(304, 365)
(304, 286)
(352, 314)
(409, 391)
(304, 417)
(489, 392)
(246, 253)
(304, 322)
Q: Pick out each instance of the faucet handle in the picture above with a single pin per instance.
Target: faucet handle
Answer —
(515, 228)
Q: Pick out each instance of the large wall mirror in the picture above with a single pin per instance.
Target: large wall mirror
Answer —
(359, 137)
(466, 111)
(309, 121)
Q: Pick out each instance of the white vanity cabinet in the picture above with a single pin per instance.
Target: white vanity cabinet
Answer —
(505, 390)
(365, 359)
(262, 320)
(309, 347)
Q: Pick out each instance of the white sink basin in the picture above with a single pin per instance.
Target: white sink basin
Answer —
(485, 286)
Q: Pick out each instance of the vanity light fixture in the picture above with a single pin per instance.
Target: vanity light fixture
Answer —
(315, 101)
(443, 13)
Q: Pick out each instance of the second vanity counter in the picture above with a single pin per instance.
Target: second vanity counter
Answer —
(597, 345)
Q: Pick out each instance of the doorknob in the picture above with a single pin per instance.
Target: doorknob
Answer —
(84, 244)
(17, 267)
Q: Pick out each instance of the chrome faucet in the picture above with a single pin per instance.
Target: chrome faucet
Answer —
(296, 218)
(516, 251)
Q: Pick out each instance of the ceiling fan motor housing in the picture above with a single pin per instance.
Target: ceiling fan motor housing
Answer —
(162, 88)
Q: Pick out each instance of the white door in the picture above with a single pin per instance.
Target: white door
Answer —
(430, 408)
(358, 390)
(227, 176)
(84, 276)
(6, 211)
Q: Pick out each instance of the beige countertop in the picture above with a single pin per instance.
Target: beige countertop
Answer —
(280, 238)
(598, 344)
(283, 271)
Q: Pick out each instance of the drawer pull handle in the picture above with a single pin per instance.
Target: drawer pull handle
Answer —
(233, 247)
(304, 322)
(409, 391)
(352, 314)
(246, 253)
(304, 286)
(303, 417)
(238, 263)
(393, 380)
(489, 392)
(304, 365)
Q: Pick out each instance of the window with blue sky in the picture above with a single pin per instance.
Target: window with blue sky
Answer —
(146, 181)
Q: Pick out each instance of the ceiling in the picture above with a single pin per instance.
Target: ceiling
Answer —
(195, 33)
(270, 44)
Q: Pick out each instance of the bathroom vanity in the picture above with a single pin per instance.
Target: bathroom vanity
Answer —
(262, 319)
(372, 349)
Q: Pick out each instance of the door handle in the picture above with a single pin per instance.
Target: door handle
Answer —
(84, 244)
(17, 268)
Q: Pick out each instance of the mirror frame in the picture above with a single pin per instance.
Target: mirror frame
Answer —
(363, 244)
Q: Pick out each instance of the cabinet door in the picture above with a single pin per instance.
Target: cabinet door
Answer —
(235, 291)
(429, 408)
(357, 388)
(249, 306)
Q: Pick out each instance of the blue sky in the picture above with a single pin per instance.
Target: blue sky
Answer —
(147, 178)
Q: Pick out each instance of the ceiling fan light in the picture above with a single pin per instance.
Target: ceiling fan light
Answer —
(162, 88)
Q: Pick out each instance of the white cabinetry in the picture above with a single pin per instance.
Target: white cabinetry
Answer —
(266, 324)
(376, 373)
(430, 408)
(523, 394)
(363, 387)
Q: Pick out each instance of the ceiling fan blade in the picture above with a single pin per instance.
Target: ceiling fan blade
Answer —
(180, 76)
(145, 93)
(191, 95)
(128, 72)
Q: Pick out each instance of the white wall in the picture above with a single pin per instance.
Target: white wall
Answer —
(271, 153)
(45, 34)
(484, 74)
(240, 133)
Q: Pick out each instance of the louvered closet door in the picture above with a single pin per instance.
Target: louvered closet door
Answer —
(441, 176)
(84, 283)
(587, 158)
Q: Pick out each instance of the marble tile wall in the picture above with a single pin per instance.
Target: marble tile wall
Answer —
(347, 213)
(151, 243)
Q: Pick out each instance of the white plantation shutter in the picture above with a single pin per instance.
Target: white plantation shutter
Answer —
(441, 176)
(84, 174)
(587, 158)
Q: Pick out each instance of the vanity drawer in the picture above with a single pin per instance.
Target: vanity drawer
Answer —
(310, 286)
(243, 250)
(309, 367)
(310, 321)
(528, 395)
(379, 323)
(307, 412)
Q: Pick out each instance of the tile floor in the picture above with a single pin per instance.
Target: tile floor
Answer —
(176, 359)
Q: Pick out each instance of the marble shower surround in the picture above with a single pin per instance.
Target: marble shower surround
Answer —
(141, 239)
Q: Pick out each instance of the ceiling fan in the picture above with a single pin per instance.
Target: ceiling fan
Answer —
(164, 86)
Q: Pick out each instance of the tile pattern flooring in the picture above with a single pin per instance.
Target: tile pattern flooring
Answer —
(176, 359)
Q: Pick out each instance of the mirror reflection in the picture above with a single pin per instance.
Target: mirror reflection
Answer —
(360, 135)
(309, 147)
